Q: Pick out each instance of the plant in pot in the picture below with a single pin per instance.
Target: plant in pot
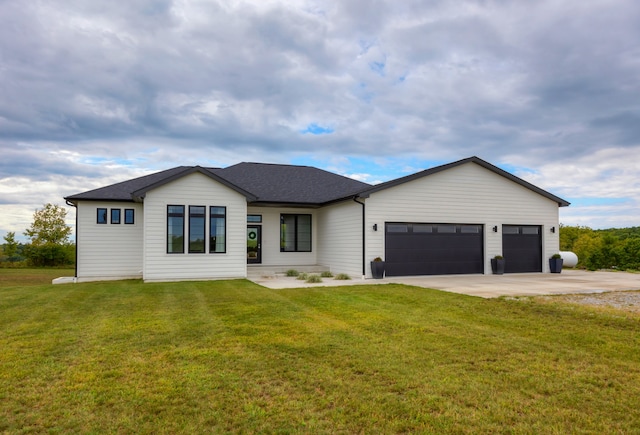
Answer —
(377, 268)
(497, 264)
(555, 263)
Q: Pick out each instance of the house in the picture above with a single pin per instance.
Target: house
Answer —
(196, 223)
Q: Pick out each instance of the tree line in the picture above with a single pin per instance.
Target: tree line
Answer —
(614, 248)
(48, 245)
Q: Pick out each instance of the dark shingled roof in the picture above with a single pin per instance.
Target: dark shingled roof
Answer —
(289, 184)
(273, 184)
(260, 182)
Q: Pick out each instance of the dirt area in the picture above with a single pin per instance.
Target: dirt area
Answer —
(626, 301)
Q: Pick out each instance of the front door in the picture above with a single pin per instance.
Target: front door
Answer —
(254, 244)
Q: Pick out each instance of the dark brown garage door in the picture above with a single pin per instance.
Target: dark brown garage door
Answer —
(433, 249)
(522, 248)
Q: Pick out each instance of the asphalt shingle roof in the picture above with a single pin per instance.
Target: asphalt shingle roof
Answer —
(269, 183)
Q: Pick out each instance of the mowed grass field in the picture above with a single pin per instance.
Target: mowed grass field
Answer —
(231, 356)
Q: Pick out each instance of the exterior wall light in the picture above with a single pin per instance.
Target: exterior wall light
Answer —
(375, 227)
(495, 228)
(553, 229)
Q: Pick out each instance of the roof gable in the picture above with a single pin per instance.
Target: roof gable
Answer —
(399, 181)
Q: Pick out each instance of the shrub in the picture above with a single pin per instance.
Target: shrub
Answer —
(292, 272)
(326, 274)
(302, 276)
(313, 279)
(342, 276)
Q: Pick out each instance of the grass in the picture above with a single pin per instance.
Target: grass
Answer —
(231, 356)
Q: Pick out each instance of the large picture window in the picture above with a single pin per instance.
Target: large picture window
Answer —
(175, 229)
(196, 228)
(295, 233)
(217, 229)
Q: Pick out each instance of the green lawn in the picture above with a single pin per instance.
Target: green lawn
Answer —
(231, 356)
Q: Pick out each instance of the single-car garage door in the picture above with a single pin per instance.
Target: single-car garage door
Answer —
(522, 248)
(433, 249)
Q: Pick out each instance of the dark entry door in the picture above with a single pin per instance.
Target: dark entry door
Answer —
(522, 248)
(254, 244)
(433, 249)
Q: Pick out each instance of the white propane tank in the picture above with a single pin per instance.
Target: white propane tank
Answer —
(569, 259)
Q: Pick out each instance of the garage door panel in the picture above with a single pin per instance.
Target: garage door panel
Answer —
(433, 249)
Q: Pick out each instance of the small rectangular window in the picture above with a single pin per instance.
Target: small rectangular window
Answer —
(397, 228)
(530, 230)
(510, 229)
(217, 230)
(446, 229)
(254, 218)
(102, 216)
(129, 216)
(196, 229)
(295, 233)
(421, 228)
(175, 229)
(470, 229)
(115, 215)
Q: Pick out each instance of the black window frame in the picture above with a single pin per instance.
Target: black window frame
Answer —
(296, 232)
(212, 238)
(115, 212)
(106, 216)
(126, 215)
(193, 215)
(175, 215)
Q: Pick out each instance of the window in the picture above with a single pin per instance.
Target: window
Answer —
(175, 229)
(115, 215)
(128, 216)
(397, 228)
(217, 229)
(254, 218)
(196, 228)
(295, 233)
(102, 216)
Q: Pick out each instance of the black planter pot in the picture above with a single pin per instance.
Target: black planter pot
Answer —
(377, 269)
(555, 265)
(497, 266)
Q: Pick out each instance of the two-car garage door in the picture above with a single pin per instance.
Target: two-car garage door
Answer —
(448, 249)
(433, 249)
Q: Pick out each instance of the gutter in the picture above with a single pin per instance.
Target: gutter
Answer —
(364, 272)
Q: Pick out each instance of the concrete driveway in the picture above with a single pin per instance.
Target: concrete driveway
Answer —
(491, 286)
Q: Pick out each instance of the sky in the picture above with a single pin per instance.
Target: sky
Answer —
(97, 92)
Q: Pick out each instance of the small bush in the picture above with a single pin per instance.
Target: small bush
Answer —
(292, 272)
(313, 279)
(302, 276)
(342, 276)
(326, 274)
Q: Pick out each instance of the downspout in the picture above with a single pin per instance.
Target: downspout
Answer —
(75, 273)
(364, 271)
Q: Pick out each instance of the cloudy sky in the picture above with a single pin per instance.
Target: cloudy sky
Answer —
(96, 92)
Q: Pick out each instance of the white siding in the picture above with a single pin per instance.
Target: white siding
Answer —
(108, 251)
(193, 189)
(464, 194)
(340, 238)
(271, 255)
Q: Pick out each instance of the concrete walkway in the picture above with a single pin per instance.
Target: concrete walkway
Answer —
(489, 286)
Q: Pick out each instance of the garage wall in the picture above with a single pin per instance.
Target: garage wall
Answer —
(340, 238)
(469, 194)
